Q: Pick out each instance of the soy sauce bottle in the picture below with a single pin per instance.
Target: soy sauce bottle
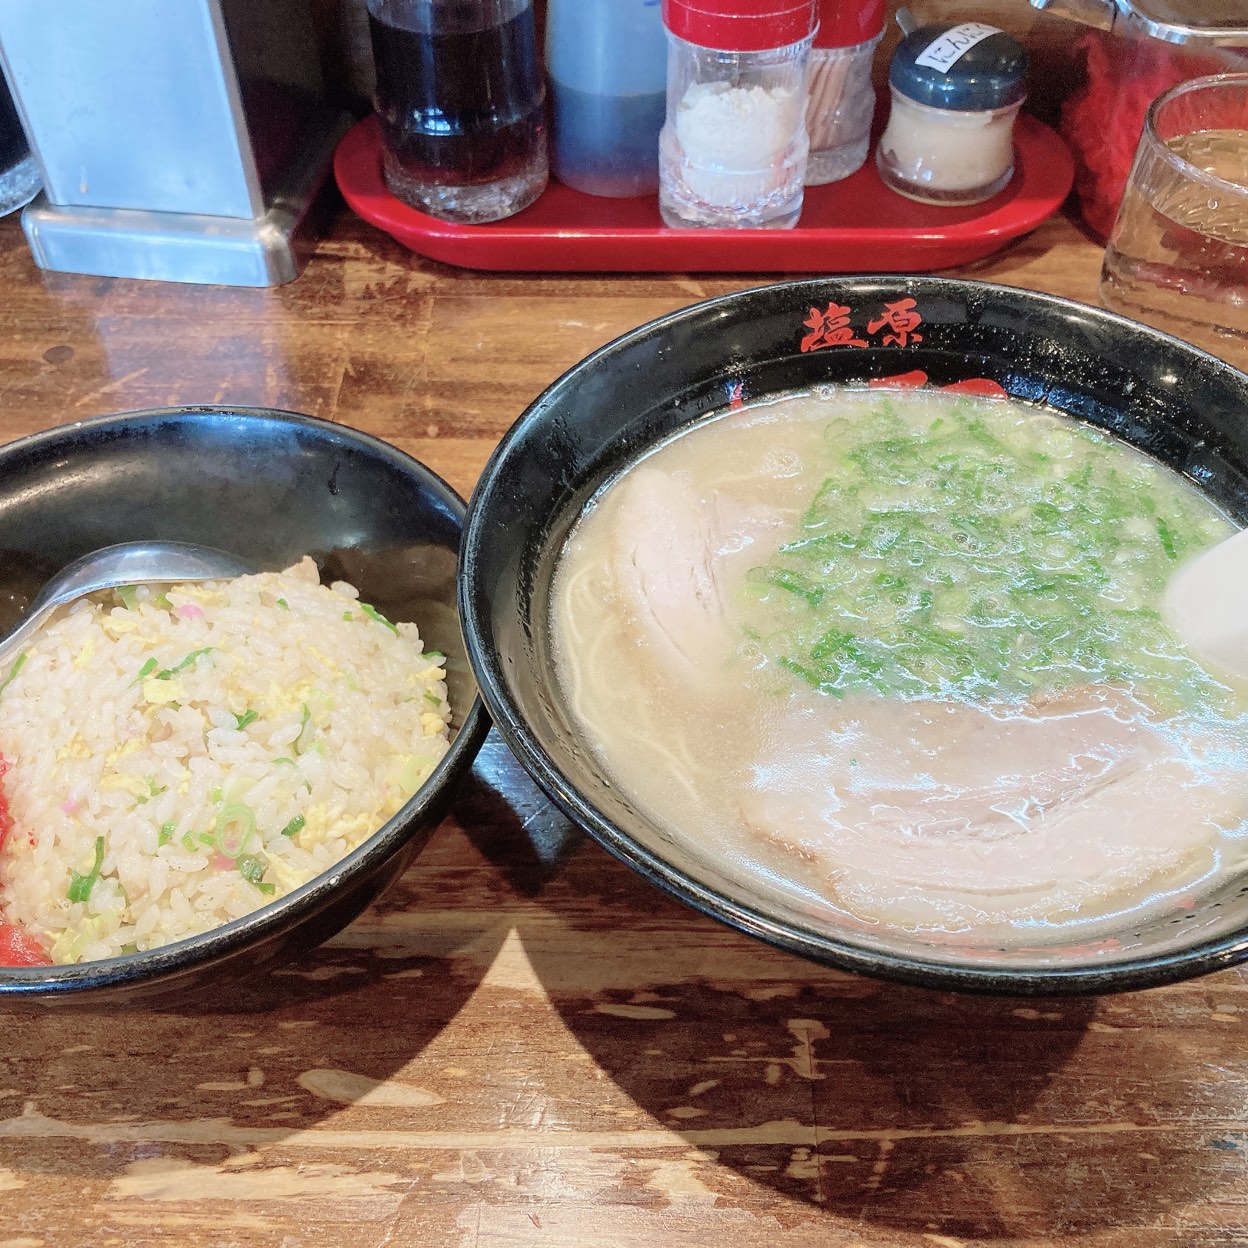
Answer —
(461, 104)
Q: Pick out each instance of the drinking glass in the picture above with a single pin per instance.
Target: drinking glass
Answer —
(1178, 254)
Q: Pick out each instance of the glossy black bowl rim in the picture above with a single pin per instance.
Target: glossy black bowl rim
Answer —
(1076, 978)
(179, 958)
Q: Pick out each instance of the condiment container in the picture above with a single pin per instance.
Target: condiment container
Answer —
(462, 105)
(733, 148)
(1142, 48)
(842, 97)
(956, 90)
(606, 66)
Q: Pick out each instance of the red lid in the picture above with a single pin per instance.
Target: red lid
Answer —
(843, 23)
(740, 25)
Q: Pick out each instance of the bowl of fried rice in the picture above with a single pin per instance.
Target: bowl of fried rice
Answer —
(196, 774)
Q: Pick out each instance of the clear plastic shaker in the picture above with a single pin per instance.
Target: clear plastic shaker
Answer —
(733, 149)
(842, 95)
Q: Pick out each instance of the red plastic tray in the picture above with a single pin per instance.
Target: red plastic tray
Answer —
(854, 226)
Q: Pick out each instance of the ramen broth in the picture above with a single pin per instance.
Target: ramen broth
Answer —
(900, 658)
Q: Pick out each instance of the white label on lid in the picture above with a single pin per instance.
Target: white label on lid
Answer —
(943, 52)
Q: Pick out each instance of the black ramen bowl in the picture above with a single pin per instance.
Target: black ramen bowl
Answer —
(1176, 403)
(270, 487)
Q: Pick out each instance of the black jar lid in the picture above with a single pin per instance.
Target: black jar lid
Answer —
(966, 66)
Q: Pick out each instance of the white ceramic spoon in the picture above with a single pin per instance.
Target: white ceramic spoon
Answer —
(1206, 604)
(128, 563)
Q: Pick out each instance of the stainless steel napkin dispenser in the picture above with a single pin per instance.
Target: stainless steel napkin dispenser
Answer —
(185, 140)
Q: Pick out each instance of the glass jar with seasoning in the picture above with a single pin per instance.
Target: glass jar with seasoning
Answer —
(956, 90)
(732, 151)
(842, 96)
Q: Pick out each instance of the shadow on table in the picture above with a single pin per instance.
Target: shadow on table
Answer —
(880, 1104)
(927, 1112)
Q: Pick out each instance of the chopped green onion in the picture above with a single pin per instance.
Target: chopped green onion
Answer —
(18, 664)
(294, 826)
(184, 664)
(435, 698)
(869, 590)
(413, 774)
(166, 833)
(129, 596)
(80, 886)
(145, 670)
(236, 825)
(285, 606)
(1166, 536)
(346, 615)
(290, 761)
(434, 654)
(374, 614)
(266, 888)
(153, 789)
(251, 868)
(206, 838)
(300, 745)
(188, 842)
(247, 717)
(162, 600)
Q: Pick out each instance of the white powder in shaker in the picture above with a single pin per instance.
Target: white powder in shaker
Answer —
(735, 140)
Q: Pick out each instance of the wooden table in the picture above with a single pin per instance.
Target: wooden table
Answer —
(522, 1043)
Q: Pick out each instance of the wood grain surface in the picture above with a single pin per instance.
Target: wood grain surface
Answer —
(523, 1044)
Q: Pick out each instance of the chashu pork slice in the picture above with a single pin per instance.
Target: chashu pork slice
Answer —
(673, 554)
(945, 813)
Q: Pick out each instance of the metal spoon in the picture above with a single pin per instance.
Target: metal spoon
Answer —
(128, 563)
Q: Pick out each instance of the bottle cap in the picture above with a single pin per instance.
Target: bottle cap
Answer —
(968, 66)
(846, 23)
(740, 25)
